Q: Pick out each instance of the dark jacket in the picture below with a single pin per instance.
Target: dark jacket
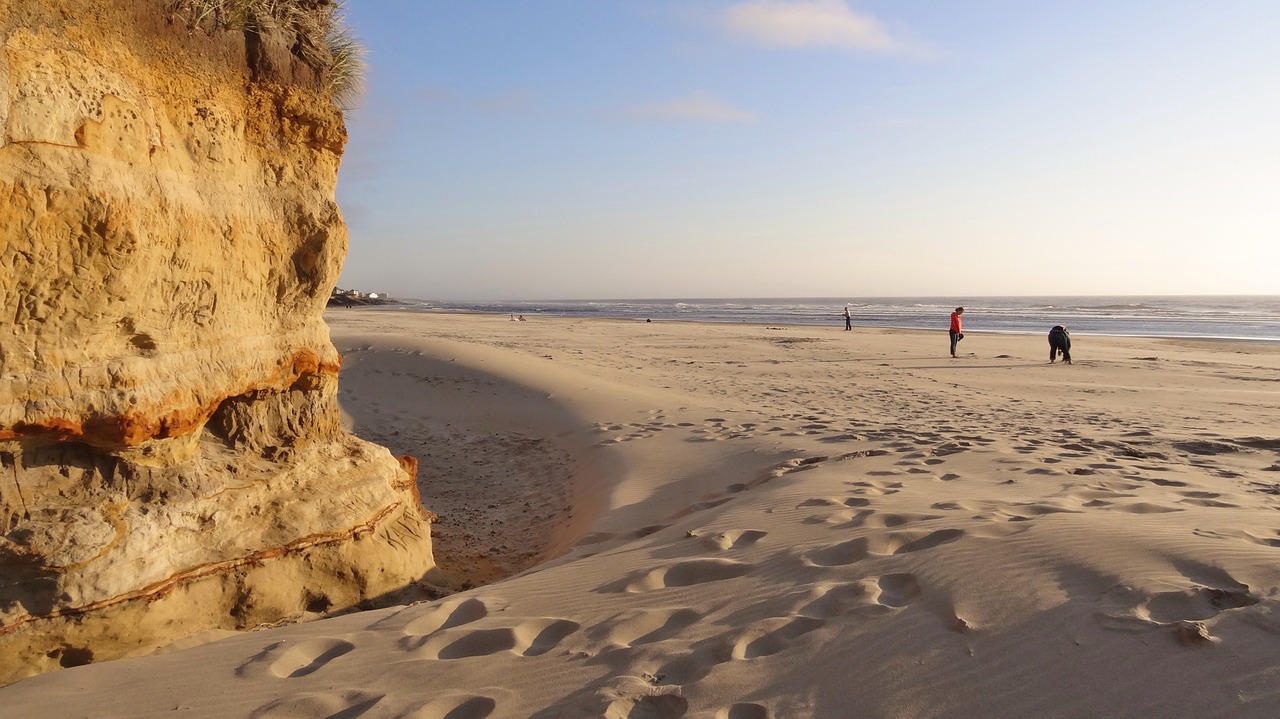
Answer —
(1058, 337)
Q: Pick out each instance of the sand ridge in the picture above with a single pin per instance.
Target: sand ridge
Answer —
(793, 522)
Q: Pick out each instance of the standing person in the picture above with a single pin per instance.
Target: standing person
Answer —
(848, 319)
(1059, 341)
(956, 334)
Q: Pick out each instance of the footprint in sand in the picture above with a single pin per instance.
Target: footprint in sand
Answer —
(770, 636)
(898, 590)
(835, 600)
(1189, 604)
(530, 638)
(841, 517)
(950, 448)
(646, 531)
(1265, 541)
(862, 453)
(1208, 447)
(1042, 472)
(287, 660)
(744, 710)
(693, 666)
(595, 538)
(874, 594)
(906, 542)
(1125, 607)
(453, 706)
(889, 520)
(661, 706)
(682, 574)
(1038, 509)
(703, 436)
(1201, 495)
(844, 553)
(318, 705)
(706, 504)
(1097, 492)
(1163, 482)
(1196, 502)
(644, 626)
(860, 548)
(837, 438)
(1144, 508)
(876, 487)
(733, 539)
(833, 502)
(797, 465)
(448, 614)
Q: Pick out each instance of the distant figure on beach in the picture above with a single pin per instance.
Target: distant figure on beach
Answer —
(1059, 342)
(956, 334)
(513, 318)
(848, 319)
(521, 318)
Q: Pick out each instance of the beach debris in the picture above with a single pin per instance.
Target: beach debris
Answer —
(1192, 633)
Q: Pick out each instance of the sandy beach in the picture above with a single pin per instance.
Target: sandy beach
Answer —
(742, 521)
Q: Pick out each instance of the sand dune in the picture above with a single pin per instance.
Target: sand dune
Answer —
(741, 522)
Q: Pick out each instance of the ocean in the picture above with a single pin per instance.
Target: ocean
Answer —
(1242, 317)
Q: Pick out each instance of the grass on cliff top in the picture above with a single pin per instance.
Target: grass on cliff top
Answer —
(323, 39)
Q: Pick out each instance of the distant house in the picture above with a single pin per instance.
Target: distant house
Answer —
(349, 298)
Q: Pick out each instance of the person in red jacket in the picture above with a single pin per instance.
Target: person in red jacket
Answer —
(956, 334)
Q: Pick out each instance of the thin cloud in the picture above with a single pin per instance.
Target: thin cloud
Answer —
(696, 107)
(516, 102)
(434, 95)
(807, 23)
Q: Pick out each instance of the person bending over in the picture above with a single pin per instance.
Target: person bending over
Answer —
(1059, 342)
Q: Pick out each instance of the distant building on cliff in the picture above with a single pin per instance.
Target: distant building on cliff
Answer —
(348, 298)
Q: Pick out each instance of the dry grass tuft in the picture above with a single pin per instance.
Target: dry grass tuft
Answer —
(347, 68)
(322, 38)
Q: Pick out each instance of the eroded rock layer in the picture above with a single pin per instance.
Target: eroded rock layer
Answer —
(171, 459)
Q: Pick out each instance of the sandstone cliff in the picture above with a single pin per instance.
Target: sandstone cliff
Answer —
(170, 454)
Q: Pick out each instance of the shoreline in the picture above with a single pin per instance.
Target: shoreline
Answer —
(835, 324)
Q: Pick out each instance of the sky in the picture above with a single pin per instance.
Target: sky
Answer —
(623, 149)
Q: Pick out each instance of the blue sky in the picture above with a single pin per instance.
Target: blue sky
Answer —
(576, 149)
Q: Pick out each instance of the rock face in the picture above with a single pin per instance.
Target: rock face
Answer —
(171, 458)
